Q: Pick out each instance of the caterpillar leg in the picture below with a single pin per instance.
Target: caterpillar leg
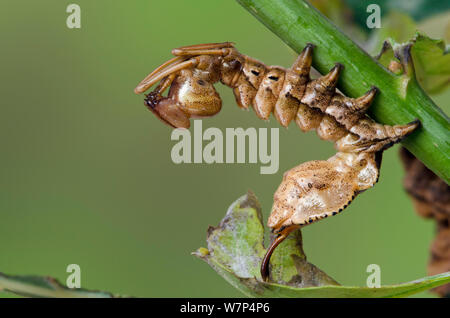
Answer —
(170, 67)
(200, 49)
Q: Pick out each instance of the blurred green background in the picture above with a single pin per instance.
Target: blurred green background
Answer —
(86, 173)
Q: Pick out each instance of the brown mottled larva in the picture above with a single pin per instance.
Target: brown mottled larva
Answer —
(313, 190)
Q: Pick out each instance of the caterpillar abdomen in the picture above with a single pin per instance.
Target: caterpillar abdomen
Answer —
(290, 94)
(320, 188)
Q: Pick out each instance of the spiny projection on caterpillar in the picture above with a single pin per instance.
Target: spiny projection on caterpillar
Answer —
(313, 190)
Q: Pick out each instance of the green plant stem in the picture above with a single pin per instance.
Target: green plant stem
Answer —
(401, 100)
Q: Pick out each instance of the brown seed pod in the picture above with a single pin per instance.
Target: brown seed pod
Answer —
(313, 190)
(431, 198)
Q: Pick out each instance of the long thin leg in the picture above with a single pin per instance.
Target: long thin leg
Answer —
(180, 61)
(152, 79)
(175, 60)
(207, 46)
(199, 52)
(170, 63)
(164, 84)
(201, 49)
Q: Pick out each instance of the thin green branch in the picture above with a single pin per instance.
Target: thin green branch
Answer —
(400, 100)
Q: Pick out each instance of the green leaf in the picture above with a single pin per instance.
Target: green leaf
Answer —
(235, 251)
(431, 61)
(430, 57)
(39, 286)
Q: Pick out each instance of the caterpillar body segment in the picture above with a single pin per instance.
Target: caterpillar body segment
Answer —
(318, 189)
(289, 94)
(313, 190)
